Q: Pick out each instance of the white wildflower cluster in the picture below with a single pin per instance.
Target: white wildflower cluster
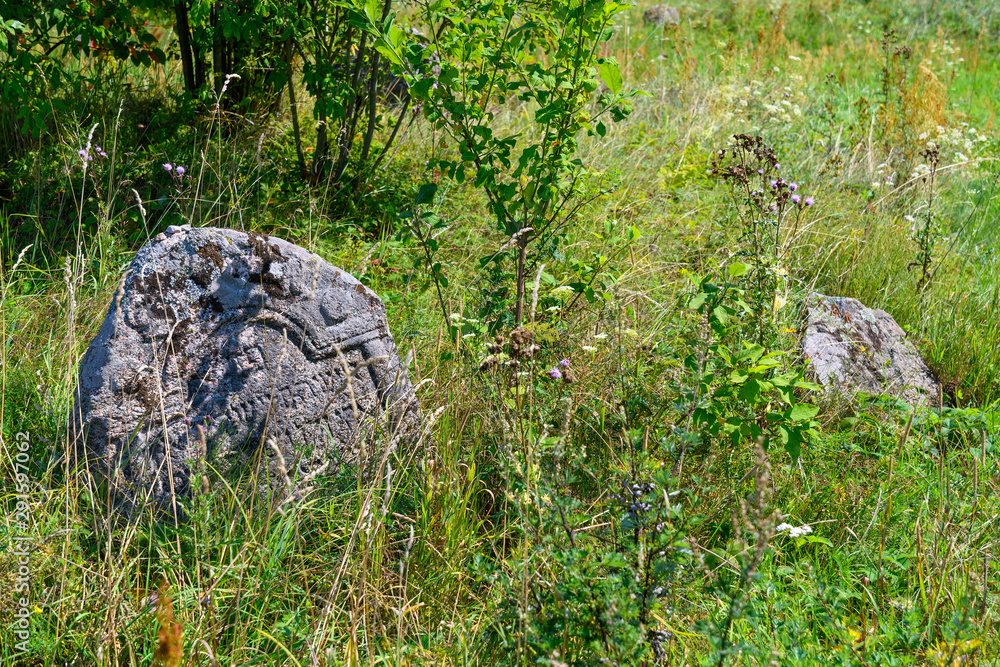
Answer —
(946, 52)
(960, 144)
(864, 28)
(771, 108)
(794, 531)
(885, 176)
(562, 291)
(458, 320)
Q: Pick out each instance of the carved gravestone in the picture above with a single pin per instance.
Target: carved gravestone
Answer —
(852, 348)
(249, 337)
(661, 15)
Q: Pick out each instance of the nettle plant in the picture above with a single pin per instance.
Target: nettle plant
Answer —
(483, 56)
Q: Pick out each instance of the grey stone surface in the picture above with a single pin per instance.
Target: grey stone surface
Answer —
(661, 15)
(853, 348)
(250, 337)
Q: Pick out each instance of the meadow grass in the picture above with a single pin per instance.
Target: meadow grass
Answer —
(501, 537)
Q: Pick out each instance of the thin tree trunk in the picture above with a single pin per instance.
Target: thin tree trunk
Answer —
(322, 145)
(217, 51)
(346, 139)
(295, 110)
(372, 100)
(392, 137)
(184, 41)
(199, 67)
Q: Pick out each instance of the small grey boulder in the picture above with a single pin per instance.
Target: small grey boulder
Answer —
(661, 15)
(260, 343)
(853, 348)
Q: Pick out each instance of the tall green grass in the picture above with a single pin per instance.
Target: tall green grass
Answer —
(441, 557)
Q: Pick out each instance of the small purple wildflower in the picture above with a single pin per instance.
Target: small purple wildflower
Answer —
(167, 166)
(793, 186)
(435, 86)
(187, 420)
(103, 154)
(82, 153)
(809, 201)
(795, 199)
(774, 207)
(777, 167)
(774, 184)
(180, 170)
(555, 374)
(760, 171)
(564, 363)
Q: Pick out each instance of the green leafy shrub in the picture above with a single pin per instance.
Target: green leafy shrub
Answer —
(483, 56)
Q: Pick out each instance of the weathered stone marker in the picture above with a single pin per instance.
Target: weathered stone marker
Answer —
(251, 338)
(853, 348)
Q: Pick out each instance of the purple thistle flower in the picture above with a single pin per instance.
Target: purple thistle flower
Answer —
(760, 171)
(167, 166)
(774, 207)
(808, 201)
(103, 154)
(187, 420)
(180, 170)
(82, 153)
(793, 187)
(777, 167)
(774, 184)
(564, 363)
(555, 374)
(795, 199)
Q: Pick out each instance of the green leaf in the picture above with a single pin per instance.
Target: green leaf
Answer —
(697, 301)
(738, 376)
(792, 440)
(737, 269)
(801, 412)
(611, 75)
(426, 193)
(721, 315)
(750, 392)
